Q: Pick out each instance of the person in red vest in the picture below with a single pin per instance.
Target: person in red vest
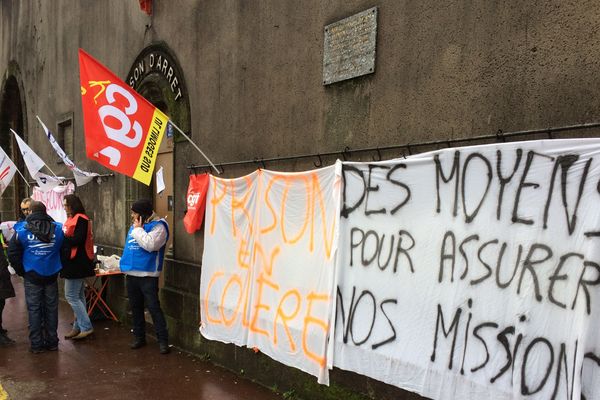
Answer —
(78, 263)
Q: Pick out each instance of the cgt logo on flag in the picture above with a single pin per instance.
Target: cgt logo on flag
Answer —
(123, 131)
(193, 199)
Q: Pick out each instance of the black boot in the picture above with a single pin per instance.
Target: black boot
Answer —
(5, 340)
(138, 343)
(164, 348)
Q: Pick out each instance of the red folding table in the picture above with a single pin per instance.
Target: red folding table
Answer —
(94, 293)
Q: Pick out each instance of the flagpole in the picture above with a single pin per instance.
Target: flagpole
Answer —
(21, 175)
(44, 126)
(56, 176)
(61, 153)
(15, 133)
(196, 147)
(14, 165)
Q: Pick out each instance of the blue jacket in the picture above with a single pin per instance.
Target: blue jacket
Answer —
(35, 247)
(135, 258)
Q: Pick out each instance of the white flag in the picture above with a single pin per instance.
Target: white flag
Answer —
(32, 161)
(81, 177)
(7, 170)
(48, 182)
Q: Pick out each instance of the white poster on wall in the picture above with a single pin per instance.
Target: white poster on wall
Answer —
(474, 273)
(268, 265)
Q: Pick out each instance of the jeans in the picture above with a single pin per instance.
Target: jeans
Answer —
(144, 290)
(42, 307)
(75, 295)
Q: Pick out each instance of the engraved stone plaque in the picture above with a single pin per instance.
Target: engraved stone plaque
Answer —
(349, 48)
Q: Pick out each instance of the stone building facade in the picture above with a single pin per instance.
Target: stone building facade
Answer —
(244, 79)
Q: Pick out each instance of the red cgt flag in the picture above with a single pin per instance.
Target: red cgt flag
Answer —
(123, 130)
(196, 202)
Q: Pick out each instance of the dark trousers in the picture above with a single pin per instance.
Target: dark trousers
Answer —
(42, 307)
(143, 292)
(2, 303)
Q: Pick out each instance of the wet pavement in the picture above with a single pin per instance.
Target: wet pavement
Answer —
(104, 367)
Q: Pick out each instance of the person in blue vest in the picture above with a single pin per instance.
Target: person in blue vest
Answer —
(25, 211)
(142, 262)
(34, 252)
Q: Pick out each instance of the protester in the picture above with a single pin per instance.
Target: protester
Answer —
(142, 262)
(25, 211)
(78, 263)
(6, 288)
(6, 291)
(34, 252)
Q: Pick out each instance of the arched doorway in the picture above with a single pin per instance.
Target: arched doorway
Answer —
(11, 116)
(156, 75)
(163, 202)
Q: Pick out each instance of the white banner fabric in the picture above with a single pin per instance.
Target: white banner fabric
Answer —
(53, 200)
(32, 161)
(474, 273)
(47, 182)
(268, 264)
(7, 170)
(81, 177)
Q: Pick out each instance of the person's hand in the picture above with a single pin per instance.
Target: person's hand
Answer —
(137, 222)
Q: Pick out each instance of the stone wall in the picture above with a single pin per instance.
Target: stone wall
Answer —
(253, 74)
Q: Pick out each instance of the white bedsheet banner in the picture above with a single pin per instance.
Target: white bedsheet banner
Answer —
(473, 273)
(268, 264)
(53, 200)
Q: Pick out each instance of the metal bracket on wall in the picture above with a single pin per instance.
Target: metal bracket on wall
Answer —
(500, 137)
(378, 155)
(260, 162)
(346, 154)
(102, 177)
(319, 163)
